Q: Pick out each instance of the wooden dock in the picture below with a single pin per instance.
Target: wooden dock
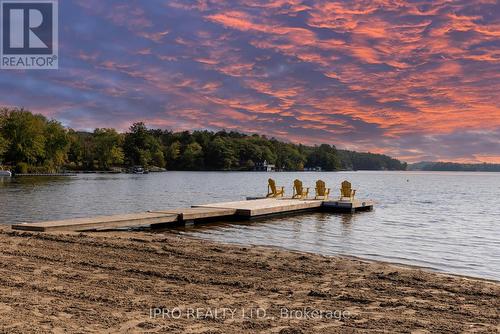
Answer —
(266, 206)
(44, 174)
(100, 222)
(239, 210)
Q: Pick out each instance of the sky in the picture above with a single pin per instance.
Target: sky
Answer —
(417, 80)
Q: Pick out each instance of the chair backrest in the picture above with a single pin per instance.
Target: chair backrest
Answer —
(298, 186)
(346, 189)
(320, 188)
(272, 185)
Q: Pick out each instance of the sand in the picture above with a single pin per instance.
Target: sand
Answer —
(140, 282)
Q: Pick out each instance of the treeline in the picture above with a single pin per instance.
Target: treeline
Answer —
(455, 167)
(351, 160)
(32, 143)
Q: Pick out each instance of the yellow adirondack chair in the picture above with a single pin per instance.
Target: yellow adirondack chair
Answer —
(346, 191)
(299, 191)
(273, 191)
(322, 191)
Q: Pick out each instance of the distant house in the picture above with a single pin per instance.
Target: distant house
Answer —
(264, 167)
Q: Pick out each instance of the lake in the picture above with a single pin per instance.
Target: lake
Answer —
(447, 221)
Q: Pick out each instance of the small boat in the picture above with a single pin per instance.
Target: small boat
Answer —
(138, 170)
(5, 173)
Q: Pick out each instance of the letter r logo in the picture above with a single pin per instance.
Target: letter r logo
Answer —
(35, 20)
(27, 27)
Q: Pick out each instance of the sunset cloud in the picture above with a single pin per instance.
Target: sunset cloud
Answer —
(417, 80)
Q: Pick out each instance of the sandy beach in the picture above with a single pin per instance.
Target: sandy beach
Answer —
(140, 282)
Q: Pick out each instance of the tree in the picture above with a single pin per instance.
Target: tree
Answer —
(108, 151)
(173, 153)
(192, 157)
(324, 156)
(158, 159)
(141, 147)
(75, 150)
(117, 156)
(26, 136)
(289, 157)
(81, 153)
(56, 145)
(249, 151)
(135, 141)
(4, 144)
(220, 154)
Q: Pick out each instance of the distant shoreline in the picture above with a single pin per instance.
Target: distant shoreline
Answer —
(77, 173)
(440, 166)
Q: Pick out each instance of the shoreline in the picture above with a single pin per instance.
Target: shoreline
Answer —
(347, 256)
(361, 259)
(118, 281)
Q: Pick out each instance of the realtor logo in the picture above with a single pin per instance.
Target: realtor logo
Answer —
(29, 36)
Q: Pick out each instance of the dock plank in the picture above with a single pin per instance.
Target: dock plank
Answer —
(100, 222)
(195, 213)
(265, 206)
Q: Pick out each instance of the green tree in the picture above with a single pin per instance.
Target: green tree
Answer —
(173, 153)
(324, 156)
(117, 156)
(220, 154)
(108, 151)
(75, 151)
(158, 158)
(26, 135)
(81, 153)
(4, 145)
(57, 143)
(289, 157)
(141, 147)
(192, 157)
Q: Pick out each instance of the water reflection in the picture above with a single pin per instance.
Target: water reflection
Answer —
(346, 220)
(32, 181)
(4, 179)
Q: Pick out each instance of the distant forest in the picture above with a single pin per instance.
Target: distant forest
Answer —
(454, 167)
(32, 143)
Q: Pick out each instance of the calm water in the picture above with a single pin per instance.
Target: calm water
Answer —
(446, 221)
